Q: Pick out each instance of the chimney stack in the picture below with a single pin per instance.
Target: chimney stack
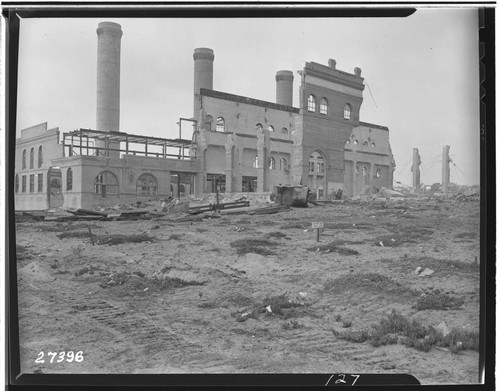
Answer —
(284, 88)
(203, 74)
(108, 79)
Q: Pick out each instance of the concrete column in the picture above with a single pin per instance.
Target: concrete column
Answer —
(203, 74)
(416, 170)
(263, 144)
(354, 178)
(108, 80)
(446, 168)
(371, 176)
(284, 88)
(229, 169)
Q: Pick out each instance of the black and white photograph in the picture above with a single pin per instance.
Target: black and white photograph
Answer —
(260, 195)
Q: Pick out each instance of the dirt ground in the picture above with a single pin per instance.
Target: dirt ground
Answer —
(182, 300)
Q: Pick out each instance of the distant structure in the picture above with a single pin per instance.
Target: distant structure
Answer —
(239, 144)
(415, 168)
(446, 169)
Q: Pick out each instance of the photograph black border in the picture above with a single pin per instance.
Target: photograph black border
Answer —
(12, 11)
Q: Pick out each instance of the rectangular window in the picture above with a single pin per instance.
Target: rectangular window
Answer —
(40, 183)
(32, 183)
(23, 184)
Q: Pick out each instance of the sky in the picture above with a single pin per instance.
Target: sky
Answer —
(421, 75)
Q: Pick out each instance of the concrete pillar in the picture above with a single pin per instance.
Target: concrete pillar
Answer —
(108, 80)
(263, 145)
(354, 178)
(446, 168)
(416, 170)
(284, 88)
(203, 74)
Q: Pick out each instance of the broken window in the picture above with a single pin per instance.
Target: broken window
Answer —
(373, 145)
(16, 185)
(284, 130)
(323, 107)
(248, 184)
(270, 128)
(365, 144)
(24, 159)
(106, 183)
(258, 127)
(311, 104)
(347, 111)
(208, 122)
(147, 185)
(377, 174)
(40, 183)
(357, 170)
(283, 164)
(272, 163)
(256, 162)
(69, 179)
(356, 142)
(40, 156)
(219, 127)
(363, 170)
(23, 184)
(347, 142)
(32, 182)
(32, 157)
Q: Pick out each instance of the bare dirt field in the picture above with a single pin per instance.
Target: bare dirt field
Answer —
(257, 293)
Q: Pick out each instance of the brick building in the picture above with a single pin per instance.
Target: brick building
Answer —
(239, 144)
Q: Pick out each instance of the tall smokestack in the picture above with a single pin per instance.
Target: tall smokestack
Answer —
(203, 74)
(108, 76)
(284, 88)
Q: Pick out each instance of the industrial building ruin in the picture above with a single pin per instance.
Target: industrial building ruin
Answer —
(239, 144)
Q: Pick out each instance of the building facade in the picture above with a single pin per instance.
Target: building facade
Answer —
(239, 144)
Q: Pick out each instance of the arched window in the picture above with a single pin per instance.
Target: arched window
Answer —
(283, 164)
(356, 142)
(323, 107)
(255, 162)
(272, 163)
(347, 142)
(106, 184)
(40, 156)
(284, 130)
(208, 122)
(24, 159)
(365, 144)
(311, 104)
(347, 112)
(373, 145)
(32, 157)
(377, 174)
(16, 185)
(270, 128)
(258, 127)
(219, 127)
(147, 185)
(363, 170)
(69, 179)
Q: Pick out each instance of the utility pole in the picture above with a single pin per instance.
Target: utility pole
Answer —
(416, 170)
(446, 169)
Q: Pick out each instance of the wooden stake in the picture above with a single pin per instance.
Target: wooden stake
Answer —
(91, 237)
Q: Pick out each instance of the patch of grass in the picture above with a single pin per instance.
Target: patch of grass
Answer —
(276, 234)
(346, 324)
(120, 239)
(215, 250)
(125, 283)
(296, 225)
(344, 225)
(438, 301)
(252, 245)
(267, 223)
(368, 282)
(333, 248)
(403, 234)
(174, 237)
(467, 235)
(74, 234)
(338, 318)
(77, 250)
(22, 253)
(201, 230)
(438, 265)
(396, 328)
(293, 324)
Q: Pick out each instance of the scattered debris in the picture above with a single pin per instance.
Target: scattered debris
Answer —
(426, 272)
(291, 195)
(418, 270)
